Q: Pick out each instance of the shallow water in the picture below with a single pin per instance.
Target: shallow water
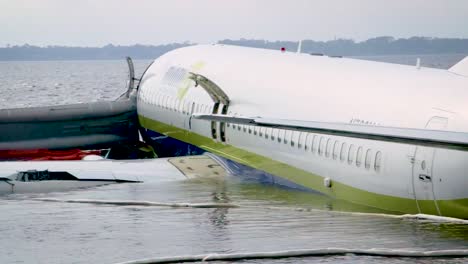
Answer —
(267, 219)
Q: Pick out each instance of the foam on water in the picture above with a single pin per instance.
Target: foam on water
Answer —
(303, 253)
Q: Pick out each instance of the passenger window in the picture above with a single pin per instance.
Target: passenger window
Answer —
(377, 161)
(315, 142)
(260, 131)
(328, 148)
(188, 108)
(368, 158)
(250, 129)
(267, 132)
(157, 99)
(273, 132)
(299, 141)
(182, 107)
(192, 109)
(174, 104)
(286, 137)
(280, 135)
(344, 147)
(308, 144)
(255, 129)
(351, 154)
(321, 146)
(169, 103)
(294, 138)
(179, 106)
(359, 157)
(336, 147)
(244, 128)
(163, 101)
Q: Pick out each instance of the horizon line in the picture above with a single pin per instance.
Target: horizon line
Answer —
(187, 42)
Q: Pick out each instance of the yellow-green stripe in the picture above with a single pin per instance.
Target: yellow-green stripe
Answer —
(453, 208)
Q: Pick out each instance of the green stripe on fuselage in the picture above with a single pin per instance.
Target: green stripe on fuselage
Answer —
(453, 208)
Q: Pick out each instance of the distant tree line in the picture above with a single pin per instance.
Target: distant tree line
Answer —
(373, 46)
(108, 52)
(344, 47)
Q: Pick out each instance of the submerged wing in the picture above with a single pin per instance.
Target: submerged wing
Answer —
(421, 137)
(48, 176)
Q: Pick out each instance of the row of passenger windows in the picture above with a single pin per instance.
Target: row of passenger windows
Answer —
(174, 104)
(321, 145)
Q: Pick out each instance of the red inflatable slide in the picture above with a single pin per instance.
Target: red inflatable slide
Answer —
(46, 154)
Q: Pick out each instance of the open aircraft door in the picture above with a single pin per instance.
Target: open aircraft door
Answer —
(220, 104)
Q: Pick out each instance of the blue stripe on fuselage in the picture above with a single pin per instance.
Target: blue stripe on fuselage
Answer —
(166, 146)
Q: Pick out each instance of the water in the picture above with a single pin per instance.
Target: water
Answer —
(39, 83)
(267, 219)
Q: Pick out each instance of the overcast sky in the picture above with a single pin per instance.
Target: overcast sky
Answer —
(124, 22)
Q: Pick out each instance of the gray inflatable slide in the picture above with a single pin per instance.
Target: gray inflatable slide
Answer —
(85, 125)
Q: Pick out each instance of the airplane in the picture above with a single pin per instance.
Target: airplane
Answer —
(389, 136)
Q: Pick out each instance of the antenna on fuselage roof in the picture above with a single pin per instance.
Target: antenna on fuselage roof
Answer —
(299, 46)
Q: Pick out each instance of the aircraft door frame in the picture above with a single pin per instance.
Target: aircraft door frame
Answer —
(214, 124)
(422, 175)
(190, 112)
(223, 110)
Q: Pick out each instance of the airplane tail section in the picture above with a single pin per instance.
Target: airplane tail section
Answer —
(461, 67)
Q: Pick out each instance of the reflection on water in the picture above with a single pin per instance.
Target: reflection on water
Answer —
(267, 219)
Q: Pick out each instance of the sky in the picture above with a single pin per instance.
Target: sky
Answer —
(154, 22)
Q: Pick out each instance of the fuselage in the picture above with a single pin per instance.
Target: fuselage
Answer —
(272, 84)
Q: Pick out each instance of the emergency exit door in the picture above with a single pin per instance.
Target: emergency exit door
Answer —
(422, 171)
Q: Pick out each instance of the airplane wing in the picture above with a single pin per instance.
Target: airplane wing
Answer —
(420, 137)
(50, 176)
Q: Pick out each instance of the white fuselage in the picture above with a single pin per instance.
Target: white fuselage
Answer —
(292, 86)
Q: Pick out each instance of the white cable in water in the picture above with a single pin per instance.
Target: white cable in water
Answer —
(305, 253)
(230, 205)
(434, 218)
(139, 203)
